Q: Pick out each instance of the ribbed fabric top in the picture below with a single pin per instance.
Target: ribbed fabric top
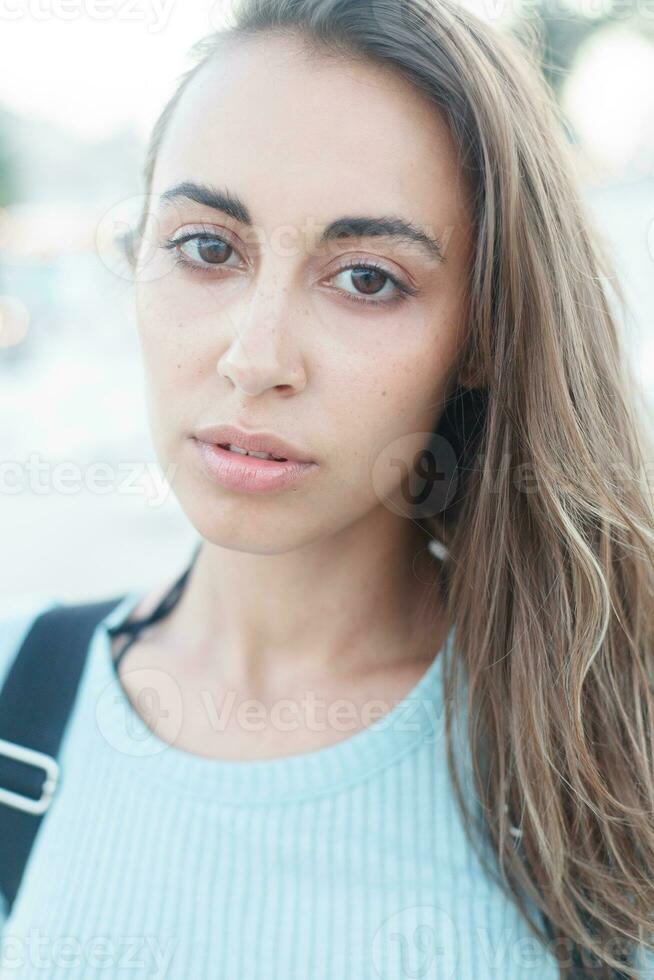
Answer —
(280, 780)
(344, 863)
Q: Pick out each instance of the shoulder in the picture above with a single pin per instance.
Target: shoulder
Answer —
(18, 614)
(16, 617)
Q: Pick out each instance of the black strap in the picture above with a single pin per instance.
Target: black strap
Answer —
(132, 630)
(35, 703)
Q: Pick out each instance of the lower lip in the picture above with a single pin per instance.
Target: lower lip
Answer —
(238, 472)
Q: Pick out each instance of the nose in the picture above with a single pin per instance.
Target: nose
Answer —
(263, 352)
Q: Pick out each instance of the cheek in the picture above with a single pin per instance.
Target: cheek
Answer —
(386, 409)
(374, 412)
(167, 368)
(404, 386)
(165, 338)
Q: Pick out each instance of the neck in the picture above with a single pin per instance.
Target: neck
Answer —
(362, 599)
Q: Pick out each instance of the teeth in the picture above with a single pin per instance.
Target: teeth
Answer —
(249, 452)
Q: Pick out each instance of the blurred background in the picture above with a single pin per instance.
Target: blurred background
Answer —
(85, 510)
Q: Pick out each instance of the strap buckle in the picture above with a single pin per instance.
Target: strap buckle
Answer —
(40, 760)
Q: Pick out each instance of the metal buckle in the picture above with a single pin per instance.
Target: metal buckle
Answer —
(42, 761)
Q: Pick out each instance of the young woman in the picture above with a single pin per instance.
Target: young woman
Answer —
(395, 719)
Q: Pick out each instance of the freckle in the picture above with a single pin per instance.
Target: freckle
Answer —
(383, 393)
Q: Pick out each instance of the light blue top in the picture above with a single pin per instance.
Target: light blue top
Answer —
(344, 863)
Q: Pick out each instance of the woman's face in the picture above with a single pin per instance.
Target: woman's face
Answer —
(266, 327)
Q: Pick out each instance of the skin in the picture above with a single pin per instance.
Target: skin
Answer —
(318, 587)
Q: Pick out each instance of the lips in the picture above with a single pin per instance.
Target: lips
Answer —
(262, 455)
(256, 442)
(242, 473)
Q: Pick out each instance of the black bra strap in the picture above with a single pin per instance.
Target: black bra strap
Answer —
(165, 605)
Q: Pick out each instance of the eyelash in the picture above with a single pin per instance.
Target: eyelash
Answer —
(173, 245)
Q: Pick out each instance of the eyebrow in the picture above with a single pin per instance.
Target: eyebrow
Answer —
(388, 227)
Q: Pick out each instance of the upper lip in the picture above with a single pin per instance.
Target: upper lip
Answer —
(258, 442)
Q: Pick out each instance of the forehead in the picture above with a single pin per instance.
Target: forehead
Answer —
(297, 134)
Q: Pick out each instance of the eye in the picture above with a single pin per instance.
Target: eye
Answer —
(204, 252)
(200, 251)
(373, 280)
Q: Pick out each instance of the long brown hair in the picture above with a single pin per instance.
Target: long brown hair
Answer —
(549, 567)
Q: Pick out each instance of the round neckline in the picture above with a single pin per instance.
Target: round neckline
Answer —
(416, 717)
